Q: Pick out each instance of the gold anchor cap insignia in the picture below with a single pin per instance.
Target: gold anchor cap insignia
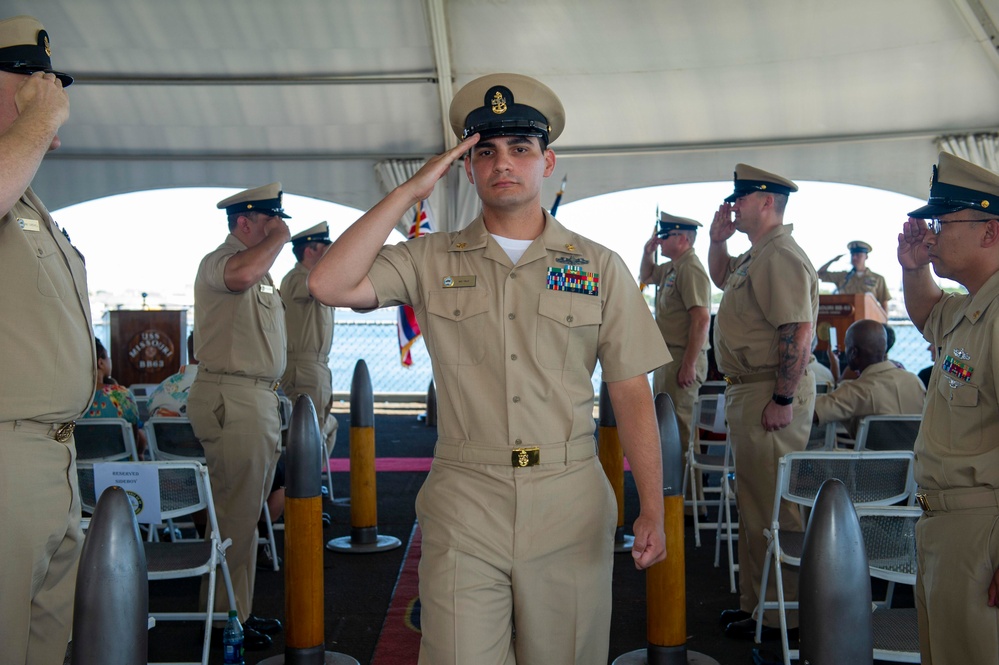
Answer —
(461, 245)
(48, 49)
(985, 203)
(498, 103)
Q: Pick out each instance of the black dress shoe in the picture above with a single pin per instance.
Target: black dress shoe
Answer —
(263, 625)
(252, 639)
(730, 616)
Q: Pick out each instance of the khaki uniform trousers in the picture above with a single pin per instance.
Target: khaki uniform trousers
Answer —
(958, 553)
(40, 548)
(664, 381)
(757, 454)
(315, 380)
(240, 429)
(516, 564)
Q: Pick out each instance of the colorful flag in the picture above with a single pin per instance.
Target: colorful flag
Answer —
(408, 327)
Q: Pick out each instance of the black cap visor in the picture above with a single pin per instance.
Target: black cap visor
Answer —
(28, 69)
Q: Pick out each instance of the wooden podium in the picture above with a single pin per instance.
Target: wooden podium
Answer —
(147, 346)
(839, 311)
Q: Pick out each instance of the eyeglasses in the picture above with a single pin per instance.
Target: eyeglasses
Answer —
(935, 224)
(670, 235)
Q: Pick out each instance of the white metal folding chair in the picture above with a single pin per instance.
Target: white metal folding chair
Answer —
(142, 389)
(174, 439)
(890, 541)
(871, 478)
(184, 489)
(897, 432)
(104, 440)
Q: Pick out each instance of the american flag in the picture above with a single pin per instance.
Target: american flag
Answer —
(407, 326)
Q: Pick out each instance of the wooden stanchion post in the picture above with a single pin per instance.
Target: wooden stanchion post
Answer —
(612, 459)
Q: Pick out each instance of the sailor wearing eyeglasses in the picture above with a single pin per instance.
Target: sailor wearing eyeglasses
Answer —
(683, 313)
(957, 450)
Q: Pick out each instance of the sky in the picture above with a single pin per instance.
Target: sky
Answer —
(153, 241)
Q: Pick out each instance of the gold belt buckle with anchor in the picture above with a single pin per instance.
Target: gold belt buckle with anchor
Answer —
(65, 432)
(524, 457)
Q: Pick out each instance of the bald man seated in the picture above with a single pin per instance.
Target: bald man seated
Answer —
(882, 388)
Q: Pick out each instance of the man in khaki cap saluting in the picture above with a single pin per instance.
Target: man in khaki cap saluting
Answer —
(683, 313)
(310, 331)
(239, 340)
(763, 338)
(957, 450)
(518, 518)
(48, 358)
(859, 279)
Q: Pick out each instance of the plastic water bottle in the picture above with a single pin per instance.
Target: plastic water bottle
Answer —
(232, 641)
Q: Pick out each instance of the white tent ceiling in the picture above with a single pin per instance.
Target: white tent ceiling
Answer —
(174, 93)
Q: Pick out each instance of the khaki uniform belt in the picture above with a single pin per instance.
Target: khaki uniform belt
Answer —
(963, 499)
(459, 450)
(61, 432)
(238, 380)
(315, 357)
(751, 378)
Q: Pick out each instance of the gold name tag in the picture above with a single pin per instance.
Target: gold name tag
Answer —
(459, 281)
(523, 457)
(266, 288)
(28, 224)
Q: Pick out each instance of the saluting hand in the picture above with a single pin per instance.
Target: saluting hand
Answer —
(421, 185)
(913, 250)
(723, 226)
(651, 245)
(276, 224)
(41, 95)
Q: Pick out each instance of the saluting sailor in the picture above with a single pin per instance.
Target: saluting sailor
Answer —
(517, 515)
(957, 450)
(239, 340)
(683, 313)
(310, 331)
(860, 278)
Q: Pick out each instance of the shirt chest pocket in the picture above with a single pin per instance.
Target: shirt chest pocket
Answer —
(965, 424)
(267, 305)
(459, 325)
(54, 279)
(568, 330)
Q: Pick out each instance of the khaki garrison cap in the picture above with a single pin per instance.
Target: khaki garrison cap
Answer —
(668, 222)
(25, 48)
(318, 233)
(507, 105)
(749, 179)
(859, 247)
(266, 199)
(958, 184)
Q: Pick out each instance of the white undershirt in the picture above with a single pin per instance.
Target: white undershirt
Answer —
(513, 248)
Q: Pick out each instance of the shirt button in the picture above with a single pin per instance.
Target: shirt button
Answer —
(513, 356)
(569, 318)
(513, 275)
(457, 312)
(516, 399)
(518, 442)
(511, 316)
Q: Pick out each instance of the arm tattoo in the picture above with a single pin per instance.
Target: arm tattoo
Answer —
(791, 359)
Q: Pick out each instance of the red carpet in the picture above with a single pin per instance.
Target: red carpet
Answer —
(399, 642)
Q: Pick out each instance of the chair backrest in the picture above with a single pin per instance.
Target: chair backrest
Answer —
(712, 388)
(184, 487)
(890, 541)
(888, 432)
(104, 440)
(822, 388)
(173, 439)
(871, 478)
(709, 423)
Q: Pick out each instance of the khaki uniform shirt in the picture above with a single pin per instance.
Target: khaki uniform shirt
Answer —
(771, 285)
(958, 442)
(882, 389)
(237, 333)
(47, 330)
(310, 323)
(849, 282)
(683, 284)
(513, 347)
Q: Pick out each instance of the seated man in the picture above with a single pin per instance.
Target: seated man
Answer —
(881, 388)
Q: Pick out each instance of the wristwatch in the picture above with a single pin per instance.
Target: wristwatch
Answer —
(782, 400)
